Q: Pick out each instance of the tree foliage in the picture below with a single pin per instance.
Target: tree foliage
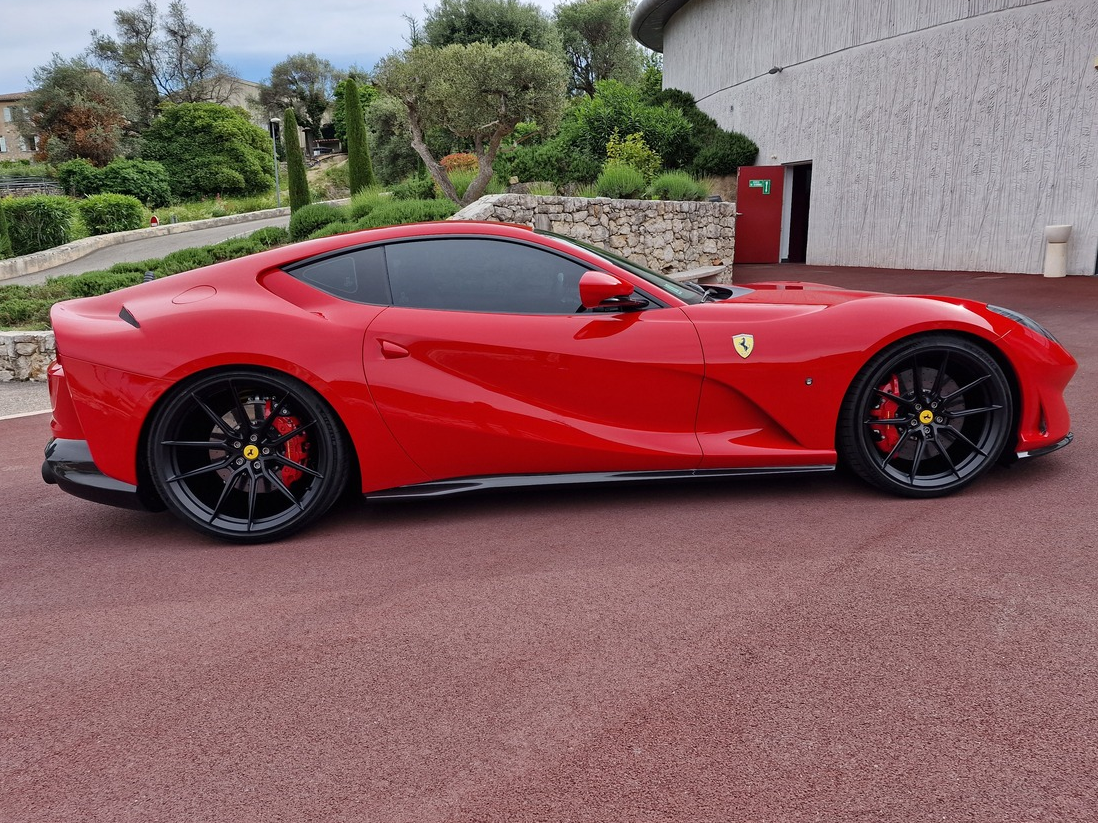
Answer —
(367, 94)
(391, 151)
(477, 92)
(209, 149)
(76, 111)
(304, 82)
(597, 43)
(359, 167)
(487, 21)
(163, 58)
(295, 161)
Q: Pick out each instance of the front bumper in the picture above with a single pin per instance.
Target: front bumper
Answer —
(69, 466)
(1059, 444)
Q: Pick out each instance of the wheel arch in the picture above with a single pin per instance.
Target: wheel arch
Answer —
(146, 486)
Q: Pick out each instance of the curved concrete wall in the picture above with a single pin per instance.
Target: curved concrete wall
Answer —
(944, 134)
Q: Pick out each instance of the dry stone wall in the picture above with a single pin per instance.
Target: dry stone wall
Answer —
(25, 355)
(665, 235)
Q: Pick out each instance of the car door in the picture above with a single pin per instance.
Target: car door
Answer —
(487, 364)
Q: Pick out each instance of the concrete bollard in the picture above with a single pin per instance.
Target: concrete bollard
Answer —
(1056, 255)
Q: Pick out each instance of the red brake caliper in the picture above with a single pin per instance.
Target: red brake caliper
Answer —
(295, 448)
(887, 436)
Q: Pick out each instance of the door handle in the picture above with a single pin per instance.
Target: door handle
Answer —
(391, 351)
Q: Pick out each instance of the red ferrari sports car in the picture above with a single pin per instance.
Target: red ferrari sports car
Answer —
(428, 359)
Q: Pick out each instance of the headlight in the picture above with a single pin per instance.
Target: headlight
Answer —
(1028, 322)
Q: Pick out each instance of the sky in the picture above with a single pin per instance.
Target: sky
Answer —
(251, 35)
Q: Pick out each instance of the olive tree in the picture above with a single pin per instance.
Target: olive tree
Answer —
(477, 92)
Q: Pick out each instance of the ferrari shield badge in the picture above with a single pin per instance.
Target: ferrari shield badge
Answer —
(744, 343)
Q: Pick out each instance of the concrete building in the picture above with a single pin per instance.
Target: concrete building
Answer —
(937, 134)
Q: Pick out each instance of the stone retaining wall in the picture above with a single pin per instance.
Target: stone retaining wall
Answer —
(25, 355)
(664, 235)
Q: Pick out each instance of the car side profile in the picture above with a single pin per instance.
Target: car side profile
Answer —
(437, 358)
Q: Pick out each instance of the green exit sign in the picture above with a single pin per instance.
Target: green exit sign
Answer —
(759, 184)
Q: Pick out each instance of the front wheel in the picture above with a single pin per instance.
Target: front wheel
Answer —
(926, 417)
(247, 455)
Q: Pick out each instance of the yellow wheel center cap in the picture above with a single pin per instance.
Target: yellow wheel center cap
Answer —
(251, 452)
(926, 417)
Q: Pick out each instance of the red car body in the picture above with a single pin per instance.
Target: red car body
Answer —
(428, 398)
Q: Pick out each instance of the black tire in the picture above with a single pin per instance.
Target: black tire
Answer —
(247, 455)
(926, 416)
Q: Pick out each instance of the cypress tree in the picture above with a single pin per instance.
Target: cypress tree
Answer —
(359, 168)
(295, 162)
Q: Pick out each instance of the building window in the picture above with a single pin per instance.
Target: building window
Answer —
(3, 145)
(7, 114)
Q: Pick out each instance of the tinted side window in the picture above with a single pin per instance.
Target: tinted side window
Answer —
(469, 274)
(358, 275)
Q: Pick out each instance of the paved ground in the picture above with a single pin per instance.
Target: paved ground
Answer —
(797, 649)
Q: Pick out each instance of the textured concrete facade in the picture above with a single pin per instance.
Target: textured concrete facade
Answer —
(943, 134)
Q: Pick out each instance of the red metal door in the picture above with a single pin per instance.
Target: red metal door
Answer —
(759, 224)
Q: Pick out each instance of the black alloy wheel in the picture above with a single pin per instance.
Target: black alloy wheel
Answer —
(926, 416)
(247, 456)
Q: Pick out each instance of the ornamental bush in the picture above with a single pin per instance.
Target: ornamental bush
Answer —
(407, 211)
(208, 150)
(39, 222)
(147, 180)
(676, 185)
(620, 181)
(79, 177)
(308, 219)
(725, 154)
(106, 213)
(93, 283)
(633, 151)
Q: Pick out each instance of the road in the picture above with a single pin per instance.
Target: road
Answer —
(145, 249)
(793, 649)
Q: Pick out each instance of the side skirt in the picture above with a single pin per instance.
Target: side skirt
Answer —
(440, 488)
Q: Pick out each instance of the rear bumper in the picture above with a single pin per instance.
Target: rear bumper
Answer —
(70, 467)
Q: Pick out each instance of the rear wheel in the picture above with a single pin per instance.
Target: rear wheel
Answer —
(926, 417)
(247, 455)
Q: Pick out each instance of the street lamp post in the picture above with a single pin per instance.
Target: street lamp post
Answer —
(274, 123)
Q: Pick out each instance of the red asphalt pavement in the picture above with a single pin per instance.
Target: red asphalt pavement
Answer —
(787, 649)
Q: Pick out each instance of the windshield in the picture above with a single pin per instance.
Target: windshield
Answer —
(686, 293)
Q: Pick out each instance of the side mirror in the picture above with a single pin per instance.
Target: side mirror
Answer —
(599, 290)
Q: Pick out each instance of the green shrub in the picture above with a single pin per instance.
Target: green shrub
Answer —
(141, 266)
(308, 219)
(365, 201)
(93, 283)
(554, 160)
(620, 181)
(725, 154)
(146, 180)
(79, 177)
(271, 236)
(234, 247)
(417, 187)
(106, 213)
(633, 151)
(676, 185)
(39, 222)
(186, 259)
(338, 227)
(25, 313)
(5, 235)
(407, 211)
